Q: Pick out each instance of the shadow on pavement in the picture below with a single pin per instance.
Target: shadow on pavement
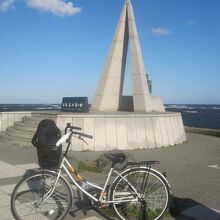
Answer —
(181, 204)
(191, 209)
(181, 208)
(83, 205)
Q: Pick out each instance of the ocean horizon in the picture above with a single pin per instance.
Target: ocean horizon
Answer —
(194, 115)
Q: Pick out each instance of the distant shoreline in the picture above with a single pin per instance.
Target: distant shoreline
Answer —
(194, 116)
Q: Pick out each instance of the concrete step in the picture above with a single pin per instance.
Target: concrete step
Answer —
(18, 130)
(11, 131)
(25, 127)
(32, 120)
(22, 132)
(15, 141)
(16, 137)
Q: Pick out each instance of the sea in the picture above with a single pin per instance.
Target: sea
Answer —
(194, 115)
(199, 116)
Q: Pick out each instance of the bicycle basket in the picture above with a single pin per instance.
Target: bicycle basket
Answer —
(45, 140)
(49, 158)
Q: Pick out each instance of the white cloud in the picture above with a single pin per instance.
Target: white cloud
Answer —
(57, 7)
(6, 4)
(160, 31)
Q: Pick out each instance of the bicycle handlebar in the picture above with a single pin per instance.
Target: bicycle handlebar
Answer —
(70, 133)
(84, 135)
(71, 127)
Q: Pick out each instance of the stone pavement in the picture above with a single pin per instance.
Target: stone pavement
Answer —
(193, 170)
(9, 175)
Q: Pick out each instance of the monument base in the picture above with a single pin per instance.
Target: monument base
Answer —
(125, 130)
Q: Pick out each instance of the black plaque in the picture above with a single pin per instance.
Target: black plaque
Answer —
(75, 104)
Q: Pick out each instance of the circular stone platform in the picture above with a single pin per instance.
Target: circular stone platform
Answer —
(125, 130)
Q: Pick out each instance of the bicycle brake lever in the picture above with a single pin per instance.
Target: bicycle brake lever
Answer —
(80, 138)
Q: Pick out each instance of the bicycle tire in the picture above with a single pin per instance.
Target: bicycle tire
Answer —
(155, 192)
(27, 202)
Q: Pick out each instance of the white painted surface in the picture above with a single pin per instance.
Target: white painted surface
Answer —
(181, 129)
(78, 144)
(150, 132)
(214, 166)
(170, 132)
(131, 133)
(157, 132)
(121, 132)
(89, 125)
(163, 131)
(141, 136)
(126, 131)
(111, 137)
(100, 136)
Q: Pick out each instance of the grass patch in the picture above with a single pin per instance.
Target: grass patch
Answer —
(89, 166)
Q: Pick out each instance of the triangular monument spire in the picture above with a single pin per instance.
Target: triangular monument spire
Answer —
(108, 95)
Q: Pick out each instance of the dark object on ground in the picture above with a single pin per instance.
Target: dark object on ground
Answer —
(104, 163)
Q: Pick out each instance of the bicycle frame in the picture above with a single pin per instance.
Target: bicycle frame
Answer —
(66, 166)
(143, 189)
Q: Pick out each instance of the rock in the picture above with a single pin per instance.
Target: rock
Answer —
(105, 164)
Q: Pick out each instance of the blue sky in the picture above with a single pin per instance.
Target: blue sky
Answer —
(50, 49)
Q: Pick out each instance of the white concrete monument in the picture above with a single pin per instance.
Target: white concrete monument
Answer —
(108, 95)
(112, 127)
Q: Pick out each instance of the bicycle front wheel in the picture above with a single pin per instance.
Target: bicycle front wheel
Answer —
(149, 200)
(34, 198)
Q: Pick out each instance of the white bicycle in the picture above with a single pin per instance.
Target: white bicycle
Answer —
(137, 193)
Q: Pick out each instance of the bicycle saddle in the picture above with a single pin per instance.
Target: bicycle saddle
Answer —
(116, 157)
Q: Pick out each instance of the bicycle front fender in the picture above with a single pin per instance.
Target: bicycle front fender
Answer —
(64, 179)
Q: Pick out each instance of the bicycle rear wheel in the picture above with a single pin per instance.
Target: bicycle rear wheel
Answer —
(153, 189)
(28, 198)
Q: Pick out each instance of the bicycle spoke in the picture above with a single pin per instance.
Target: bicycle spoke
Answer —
(36, 198)
(153, 193)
